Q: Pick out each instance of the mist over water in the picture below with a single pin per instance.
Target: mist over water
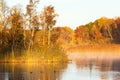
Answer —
(77, 69)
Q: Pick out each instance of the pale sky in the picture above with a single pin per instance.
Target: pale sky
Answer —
(73, 13)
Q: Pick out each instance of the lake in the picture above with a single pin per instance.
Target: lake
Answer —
(77, 69)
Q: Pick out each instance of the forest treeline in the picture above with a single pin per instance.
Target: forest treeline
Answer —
(20, 31)
(101, 31)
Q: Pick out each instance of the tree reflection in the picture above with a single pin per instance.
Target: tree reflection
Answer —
(116, 77)
(116, 65)
(101, 69)
(108, 68)
(104, 76)
(102, 64)
(31, 71)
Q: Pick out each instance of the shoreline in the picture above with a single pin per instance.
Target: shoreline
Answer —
(32, 61)
(107, 52)
(94, 48)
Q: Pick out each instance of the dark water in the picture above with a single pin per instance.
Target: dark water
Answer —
(92, 69)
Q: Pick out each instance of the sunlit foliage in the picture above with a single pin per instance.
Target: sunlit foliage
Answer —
(103, 30)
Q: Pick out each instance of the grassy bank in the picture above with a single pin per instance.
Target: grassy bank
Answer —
(41, 54)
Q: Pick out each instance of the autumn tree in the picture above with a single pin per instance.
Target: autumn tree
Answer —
(48, 19)
(31, 12)
(14, 30)
(62, 35)
(3, 14)
(105, 25)
(103, 30)
(116, 30)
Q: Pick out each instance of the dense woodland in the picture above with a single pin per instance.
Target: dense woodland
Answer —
(101, 31)
(29, 31)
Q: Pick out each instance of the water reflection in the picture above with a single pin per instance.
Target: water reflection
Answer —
(116, 65)
(81, 69)
(31, 71)
(98, 69)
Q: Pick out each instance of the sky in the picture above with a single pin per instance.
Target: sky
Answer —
(74, 13)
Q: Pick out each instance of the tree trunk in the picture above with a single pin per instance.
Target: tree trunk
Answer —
(13, 42)
(32, 38)
(43, 38)
(108, 29)
(24, 39)
(1, 38)
(49, 34)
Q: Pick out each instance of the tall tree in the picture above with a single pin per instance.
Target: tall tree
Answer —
(105, 25)
(3, 14)
(31, 11)
(14, 21)
(48, 19)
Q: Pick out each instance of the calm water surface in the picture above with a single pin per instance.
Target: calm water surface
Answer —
(85, 69)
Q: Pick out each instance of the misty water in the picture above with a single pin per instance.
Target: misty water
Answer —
(79, 69)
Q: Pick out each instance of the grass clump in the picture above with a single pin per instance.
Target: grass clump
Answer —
(42, 54)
